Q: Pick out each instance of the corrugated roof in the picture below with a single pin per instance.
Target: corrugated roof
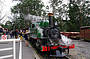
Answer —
(85, 27)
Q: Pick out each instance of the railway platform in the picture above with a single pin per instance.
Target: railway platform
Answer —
(27, 52)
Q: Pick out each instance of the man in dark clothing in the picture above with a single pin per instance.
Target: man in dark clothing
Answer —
(26, 37)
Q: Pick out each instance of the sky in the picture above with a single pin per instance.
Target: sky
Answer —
(46, 3)
(5, 9)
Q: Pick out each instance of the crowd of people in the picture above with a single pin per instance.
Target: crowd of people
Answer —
(24, 33)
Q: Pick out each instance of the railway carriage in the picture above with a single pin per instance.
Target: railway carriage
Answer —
(85, 33)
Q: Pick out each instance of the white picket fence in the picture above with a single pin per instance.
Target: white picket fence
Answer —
(12, 48)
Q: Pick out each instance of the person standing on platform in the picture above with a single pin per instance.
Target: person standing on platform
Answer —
(26, 37)
(16, 33)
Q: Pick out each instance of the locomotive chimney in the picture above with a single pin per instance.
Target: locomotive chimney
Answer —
(51, 23)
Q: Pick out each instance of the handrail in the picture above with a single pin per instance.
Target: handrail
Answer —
(9, 40)
(14, 48)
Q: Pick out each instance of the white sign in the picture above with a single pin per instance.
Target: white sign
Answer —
(4, 37)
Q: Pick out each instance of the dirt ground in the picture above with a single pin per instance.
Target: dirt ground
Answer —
(81, 51)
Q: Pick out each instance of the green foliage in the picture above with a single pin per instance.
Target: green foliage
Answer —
(85, 14)
(33, 7)
(8, 25)
(77, 11)
(74, 15)
(79, 15)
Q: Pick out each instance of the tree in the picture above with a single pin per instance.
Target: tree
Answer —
(74, 15)
(60, 12)
(78, 14)
(85, 12)
(32, 7)
(8, 25)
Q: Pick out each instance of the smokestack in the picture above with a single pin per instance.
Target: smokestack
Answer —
(51, 23)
